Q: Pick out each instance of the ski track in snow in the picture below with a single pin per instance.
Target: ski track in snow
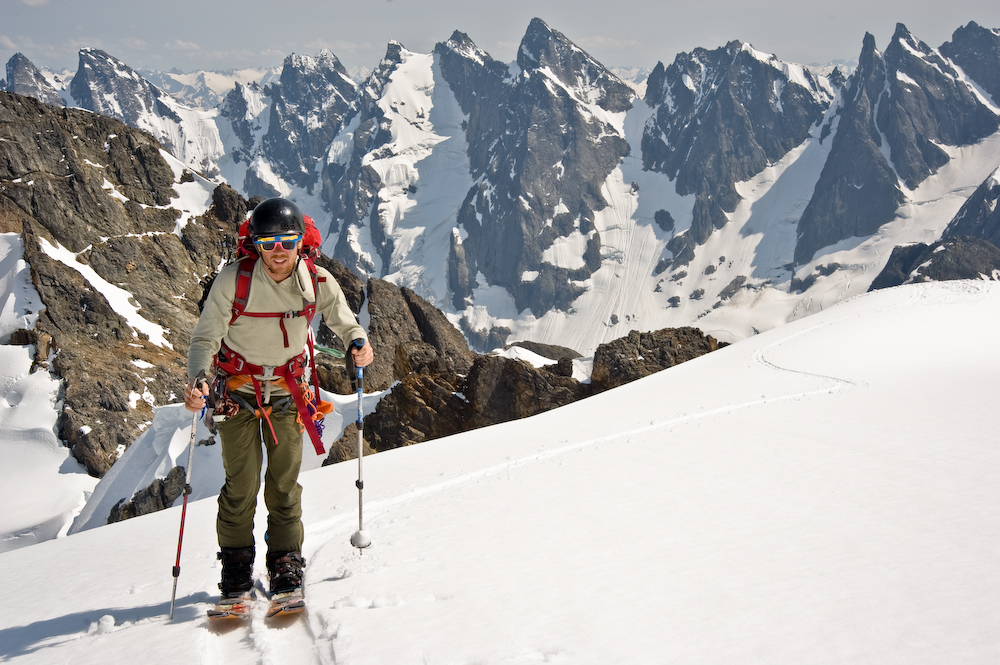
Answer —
(319, 626)
(333, 630)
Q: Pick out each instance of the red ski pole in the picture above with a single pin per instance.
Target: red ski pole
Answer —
(187, 491)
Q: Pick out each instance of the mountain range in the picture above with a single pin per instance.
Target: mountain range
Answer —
(540, 201)
(544, 199)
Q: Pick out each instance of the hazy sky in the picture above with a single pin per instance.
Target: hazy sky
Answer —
(222, 34)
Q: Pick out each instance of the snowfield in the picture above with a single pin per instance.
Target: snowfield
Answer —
(824, 492)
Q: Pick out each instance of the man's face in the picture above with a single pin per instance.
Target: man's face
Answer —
(279, 260)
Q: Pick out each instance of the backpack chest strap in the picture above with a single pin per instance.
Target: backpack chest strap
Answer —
(244, 275)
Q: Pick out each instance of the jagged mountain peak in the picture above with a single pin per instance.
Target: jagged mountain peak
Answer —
(462, 45)
(904, 49)
(325, 60)
(869, 49)
(106, 85)
(543, 49)
(24, 78)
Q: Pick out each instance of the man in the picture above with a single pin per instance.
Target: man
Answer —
(244, 350)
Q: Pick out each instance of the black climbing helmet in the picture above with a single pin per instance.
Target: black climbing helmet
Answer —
(276, 216)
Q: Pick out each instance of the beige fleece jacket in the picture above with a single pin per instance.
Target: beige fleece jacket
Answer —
(259, 340)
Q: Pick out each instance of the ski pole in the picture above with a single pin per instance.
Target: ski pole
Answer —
(187, 491)
(360, 538)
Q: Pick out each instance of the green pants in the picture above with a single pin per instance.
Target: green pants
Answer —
(242, 458)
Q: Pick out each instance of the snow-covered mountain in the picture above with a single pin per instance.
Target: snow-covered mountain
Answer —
(544, 199)
(724, 510)
(206, 89)
(540, 200)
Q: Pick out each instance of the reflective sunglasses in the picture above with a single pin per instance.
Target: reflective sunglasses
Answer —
(268, 243)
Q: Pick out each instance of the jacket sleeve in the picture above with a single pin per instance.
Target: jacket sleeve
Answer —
(213, 324)
(337, 313)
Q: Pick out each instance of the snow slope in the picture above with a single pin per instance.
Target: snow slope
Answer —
(824, 492)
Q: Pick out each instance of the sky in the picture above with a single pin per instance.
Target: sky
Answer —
(192, 35)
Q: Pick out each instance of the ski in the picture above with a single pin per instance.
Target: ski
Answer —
(286, 603)
(232, 609)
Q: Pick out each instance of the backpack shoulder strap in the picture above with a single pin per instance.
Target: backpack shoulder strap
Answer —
(244, 275)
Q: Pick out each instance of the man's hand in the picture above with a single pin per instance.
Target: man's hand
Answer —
(194, 394)
(363, 355)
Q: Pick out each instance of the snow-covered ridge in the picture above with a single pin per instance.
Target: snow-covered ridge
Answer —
(774, 529)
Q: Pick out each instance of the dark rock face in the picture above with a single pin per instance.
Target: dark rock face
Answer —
(857, 190)
(958, 257)
(439, 333)
(980, 214)
(235, 107)
(25, 79)
(391, 325)
(977, 51)
(534, 147)
(721, 117)
(551, 351)
(310, 100)
(408, 333)
(643, 353)
(436, 402)
(160, 494)
(914, 99)
(500, 389)
(53, 190)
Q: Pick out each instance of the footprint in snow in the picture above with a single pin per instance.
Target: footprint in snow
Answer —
(364, 603)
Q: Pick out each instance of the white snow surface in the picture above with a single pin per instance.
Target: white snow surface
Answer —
(20, 302)
(824, 492)
(42, 487)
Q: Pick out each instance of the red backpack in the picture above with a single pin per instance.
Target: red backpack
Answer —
(311, 409)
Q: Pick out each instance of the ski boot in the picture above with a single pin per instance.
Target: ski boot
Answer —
(286, 570)
(287, 576)
(237, 570)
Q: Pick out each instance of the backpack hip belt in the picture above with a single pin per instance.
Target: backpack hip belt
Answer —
(293, 372)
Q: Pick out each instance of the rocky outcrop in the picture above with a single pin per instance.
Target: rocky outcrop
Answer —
(979, 216)
(640, 354)
(500, 389)
(436, 402)
(408, 333)
(160, 494)
(958, 257)
(99, 192)
(432, 401)
(550, 351)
